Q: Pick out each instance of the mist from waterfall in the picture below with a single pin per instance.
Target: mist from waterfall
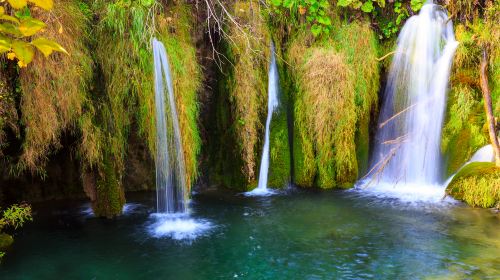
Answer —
(171, 188)
(407, 150)
(272, 105)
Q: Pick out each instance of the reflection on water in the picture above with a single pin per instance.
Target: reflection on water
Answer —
(299, 235)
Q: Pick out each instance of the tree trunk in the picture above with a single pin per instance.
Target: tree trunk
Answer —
(483, 75)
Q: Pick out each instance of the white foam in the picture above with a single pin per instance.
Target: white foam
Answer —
(408, 193)
(178, 226)
(128, 208)
(260, 192)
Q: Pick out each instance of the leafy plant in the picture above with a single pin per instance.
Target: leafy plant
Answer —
(15, 216)
(17, 27)
(388, 27)
(314, 11)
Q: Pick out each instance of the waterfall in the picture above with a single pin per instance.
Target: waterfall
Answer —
(407, 148)
(272, 104)
(171, 191)
(485, 154)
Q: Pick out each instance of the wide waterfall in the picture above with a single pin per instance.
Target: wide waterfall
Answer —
(170, 171)
(407, 149)
(272, 104)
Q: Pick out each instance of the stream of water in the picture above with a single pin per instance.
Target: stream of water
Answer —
(272, 104)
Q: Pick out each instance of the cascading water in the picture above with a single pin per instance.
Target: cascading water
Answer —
(272, 104)
(485, 154)
(170, 171)
(172, 218)
(407, 149)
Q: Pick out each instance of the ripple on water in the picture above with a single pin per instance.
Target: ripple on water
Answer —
(178, 226)
(413, 194)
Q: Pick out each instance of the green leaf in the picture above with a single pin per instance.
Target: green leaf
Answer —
(10, 28)
(381, 3)
(288, 3)
(315, 30)
(5, 43)
(31, 26)
(17, 4)
(44, 4)
(9, 18)
(276, 3)
(367, 7)
(416, 5)
(47, 46)
(343, 3)
(23, 51)
(357, 4)
(324, 20)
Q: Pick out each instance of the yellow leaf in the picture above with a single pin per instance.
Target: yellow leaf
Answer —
(21, 64)
(47, 46)
(44, 4)
(60, 29)
(18, 4)
(4, 44)
(2, 10)
(31, 26)
(11, 56)
(9, 18)
(23, 51)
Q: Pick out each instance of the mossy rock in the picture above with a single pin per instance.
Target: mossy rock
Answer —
(279, 164)
(477, 184)
(5, 241)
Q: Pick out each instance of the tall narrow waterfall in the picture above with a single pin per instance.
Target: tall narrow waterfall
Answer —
(272, 104)
(407, 149)
(170, 171)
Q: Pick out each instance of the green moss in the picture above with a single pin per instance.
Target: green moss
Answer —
(332, 113)
(110, 196)
(279, 165)
(463, 131)
(186, 75)
(5, 241)
(241, 101)
(478, 184)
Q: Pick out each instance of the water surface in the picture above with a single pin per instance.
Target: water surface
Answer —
(297, 235)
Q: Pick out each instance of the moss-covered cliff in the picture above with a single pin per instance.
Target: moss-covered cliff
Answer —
(336, 92)
(102, 95)
(478, 184)
(465, 129)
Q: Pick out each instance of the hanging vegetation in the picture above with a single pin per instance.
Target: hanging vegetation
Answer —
(330, 110)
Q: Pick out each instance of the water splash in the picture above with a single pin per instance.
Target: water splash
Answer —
(178, 226)
(407, 150)
(485, 154)
(272, 105)
(171, 188)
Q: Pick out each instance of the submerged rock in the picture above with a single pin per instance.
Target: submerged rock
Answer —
(477, 184)
(5, 241)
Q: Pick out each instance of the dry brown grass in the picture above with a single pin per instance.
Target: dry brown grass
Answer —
(250, 50)
(329, 97)
(54, 89)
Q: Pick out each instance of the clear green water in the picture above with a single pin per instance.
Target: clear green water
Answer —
(300, 235)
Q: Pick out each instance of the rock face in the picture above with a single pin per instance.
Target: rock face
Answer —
(477, 184)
